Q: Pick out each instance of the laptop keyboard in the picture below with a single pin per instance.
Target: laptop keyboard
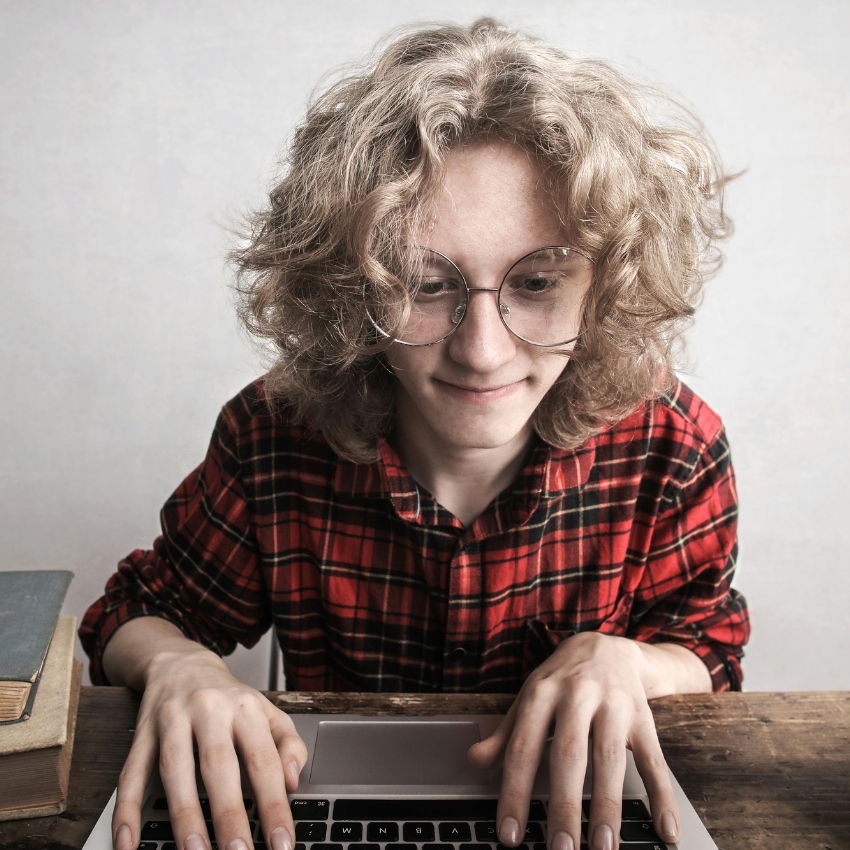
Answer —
(373, 824)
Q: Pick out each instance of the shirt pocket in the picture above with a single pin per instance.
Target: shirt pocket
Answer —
(539, 642)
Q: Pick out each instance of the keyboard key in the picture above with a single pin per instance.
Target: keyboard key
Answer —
(479, 847)
(455, 832)
(632, 831)
(169, 845)
(401, 847)
(327, 847)
(361, 847)
(342, 831)
(382, 832)
(312, 810)
(310, 831)
(418, 832)
(518, 847)
(436, 847)
(536, 810)
(160, 803)
(656, 845)
(157, 831)
(533, 832)
(635, 810)
(147, 845)
(486, 831)
(300, 847)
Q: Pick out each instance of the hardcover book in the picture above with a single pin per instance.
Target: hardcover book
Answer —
(30, 601)
(35, 756)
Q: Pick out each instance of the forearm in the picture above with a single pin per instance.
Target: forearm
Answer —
(135, 648)
(668, 668)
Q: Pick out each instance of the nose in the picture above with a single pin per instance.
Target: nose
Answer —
(481, 342)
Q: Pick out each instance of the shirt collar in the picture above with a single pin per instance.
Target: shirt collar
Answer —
(549, 473)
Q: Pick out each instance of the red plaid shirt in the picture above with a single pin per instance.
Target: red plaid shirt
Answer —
(372, 585)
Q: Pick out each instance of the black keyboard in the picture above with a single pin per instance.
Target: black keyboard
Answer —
(371, 824)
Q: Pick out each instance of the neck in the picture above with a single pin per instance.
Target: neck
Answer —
(463, 479)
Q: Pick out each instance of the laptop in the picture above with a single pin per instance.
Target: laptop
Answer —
(404, 783)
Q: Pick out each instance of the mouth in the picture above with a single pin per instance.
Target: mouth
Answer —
(479, 395)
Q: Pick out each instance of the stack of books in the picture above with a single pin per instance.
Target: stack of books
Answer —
(39, 692)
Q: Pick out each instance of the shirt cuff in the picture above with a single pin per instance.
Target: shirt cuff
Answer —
(725, 670)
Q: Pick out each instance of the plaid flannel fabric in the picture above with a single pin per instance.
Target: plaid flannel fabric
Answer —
(372, 585)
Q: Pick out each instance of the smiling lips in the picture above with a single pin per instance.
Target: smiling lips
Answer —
(482, 395)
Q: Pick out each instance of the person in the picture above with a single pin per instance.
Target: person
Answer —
(470, 465)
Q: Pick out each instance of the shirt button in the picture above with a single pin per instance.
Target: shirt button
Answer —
(458, 654)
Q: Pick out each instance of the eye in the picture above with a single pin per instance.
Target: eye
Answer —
(434, 287)
(537, 283)
(534, 285)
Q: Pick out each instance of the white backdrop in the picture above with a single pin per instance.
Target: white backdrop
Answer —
(131, 131)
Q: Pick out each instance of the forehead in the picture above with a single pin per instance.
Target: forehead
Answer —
(494, 202)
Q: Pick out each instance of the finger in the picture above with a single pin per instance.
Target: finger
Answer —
(177, 772)
(568, 766)
(219, 766)
(650, 763)
(522, 758)
(291, 749)
(488, 753)
(265, 772)
(610, 727)
(126, 819)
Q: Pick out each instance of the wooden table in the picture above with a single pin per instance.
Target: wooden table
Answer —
(763, 770)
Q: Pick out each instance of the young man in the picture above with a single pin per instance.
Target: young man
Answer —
(470, 466)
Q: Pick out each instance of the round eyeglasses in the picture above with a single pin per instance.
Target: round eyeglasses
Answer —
(539, 299)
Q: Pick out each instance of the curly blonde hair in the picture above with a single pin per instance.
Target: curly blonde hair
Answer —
(635, 179)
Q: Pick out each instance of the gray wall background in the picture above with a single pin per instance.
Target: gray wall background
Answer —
(131, 131)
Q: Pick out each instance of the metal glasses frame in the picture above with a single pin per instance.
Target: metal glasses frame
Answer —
(502, 307)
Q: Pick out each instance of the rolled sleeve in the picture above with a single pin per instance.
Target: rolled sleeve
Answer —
(203, 572)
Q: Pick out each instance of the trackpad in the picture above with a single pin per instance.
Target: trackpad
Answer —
(378, 752)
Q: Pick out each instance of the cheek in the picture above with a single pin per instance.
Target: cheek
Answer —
(549, 368)
(410, 365)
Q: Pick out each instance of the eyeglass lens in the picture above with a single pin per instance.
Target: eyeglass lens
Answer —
(539, 299)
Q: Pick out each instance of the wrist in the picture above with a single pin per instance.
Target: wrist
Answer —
(167, 661)
(668, 668)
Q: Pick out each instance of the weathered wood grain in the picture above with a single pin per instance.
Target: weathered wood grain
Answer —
(766, 771)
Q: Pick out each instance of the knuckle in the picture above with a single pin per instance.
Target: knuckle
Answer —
(563, 812)
(569, 749)
(541, 688)
(246, 703)
(607, 805)
(297, 749)
(261, 760)
(520, 748)
(609, 752)
(170, 757)
(654, 759)
(215, 756)
(205, 700)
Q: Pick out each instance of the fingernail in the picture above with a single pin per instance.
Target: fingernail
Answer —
(294, 772)
(281, 839)
(562, 841)
(123, 837)
(668, 825)
(603, 837)
(237, 844)
(509, 832)
(194, 842)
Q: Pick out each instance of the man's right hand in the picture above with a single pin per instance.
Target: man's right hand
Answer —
(191, 699)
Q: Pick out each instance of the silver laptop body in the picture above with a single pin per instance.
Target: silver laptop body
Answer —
(380, 781)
